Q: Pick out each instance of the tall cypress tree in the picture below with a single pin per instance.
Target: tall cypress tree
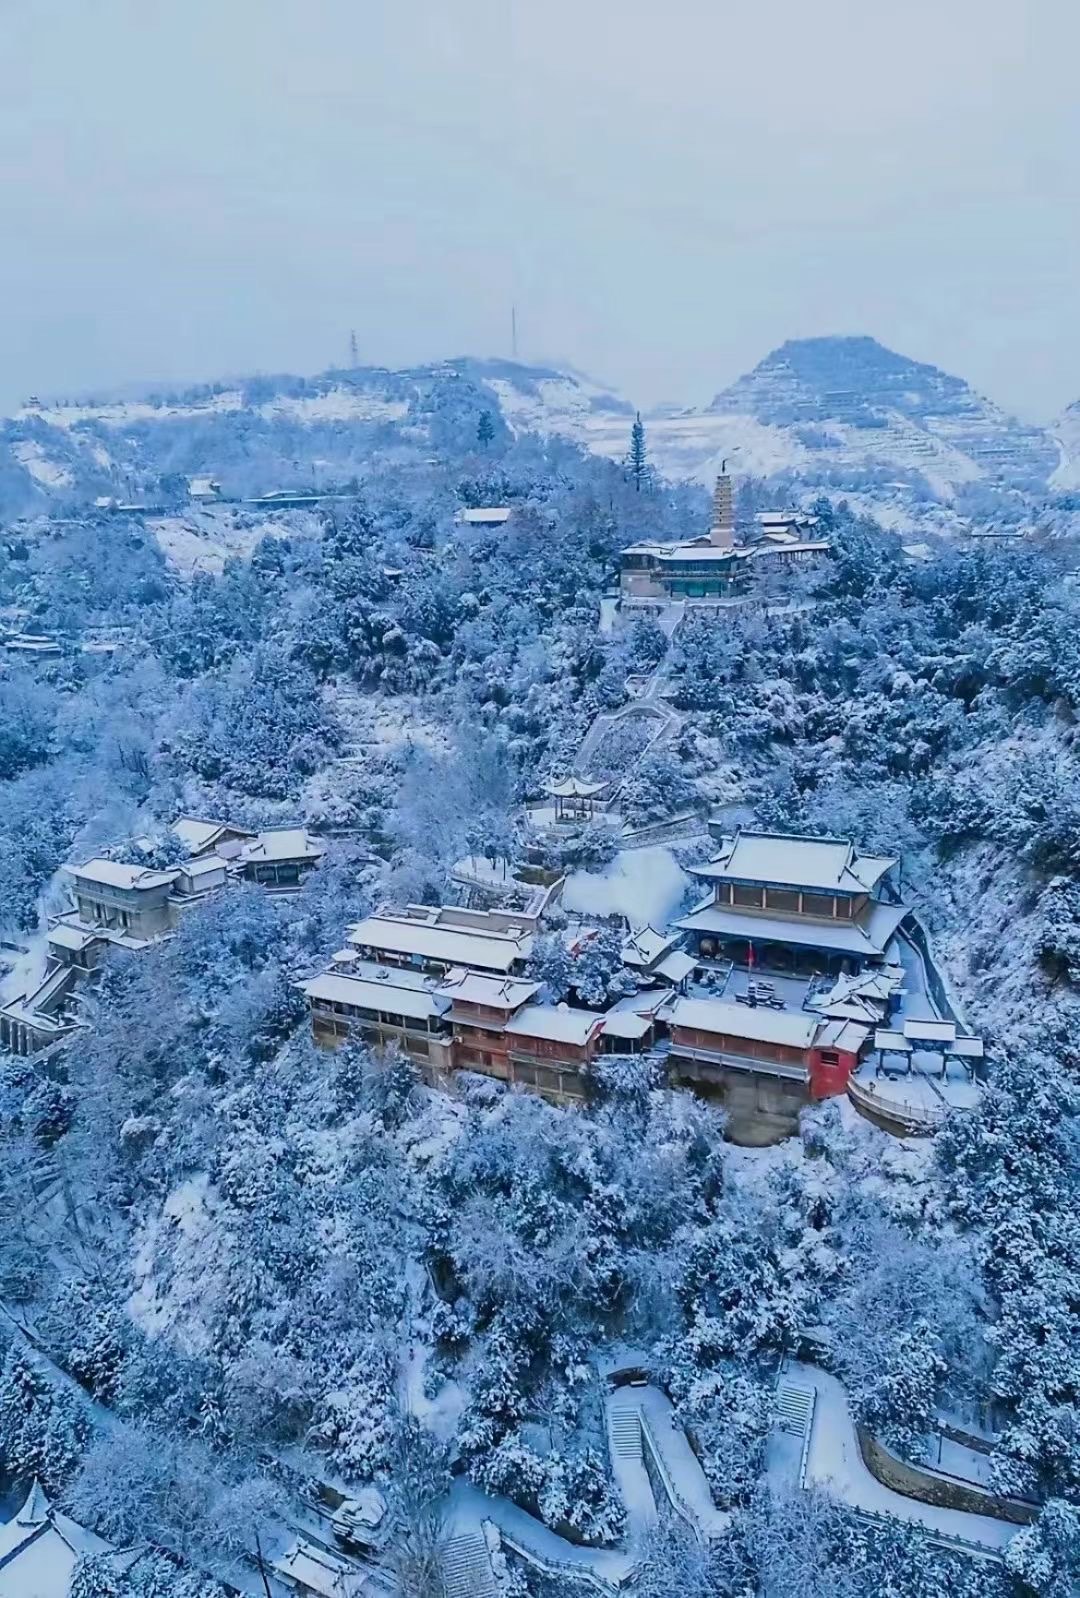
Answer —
(636, 460)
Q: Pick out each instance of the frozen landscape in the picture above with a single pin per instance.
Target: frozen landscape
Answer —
(533, 1053)
(540, 801)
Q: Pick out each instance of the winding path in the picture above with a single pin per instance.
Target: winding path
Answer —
(640, 1427)
(649, 1447)
(834, 1463)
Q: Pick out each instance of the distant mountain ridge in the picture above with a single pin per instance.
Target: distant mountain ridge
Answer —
(840, 412)
(855, 400)
(836, 411)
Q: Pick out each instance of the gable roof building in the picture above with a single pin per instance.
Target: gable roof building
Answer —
(39, 1549)
(438, 940)
(781, 898)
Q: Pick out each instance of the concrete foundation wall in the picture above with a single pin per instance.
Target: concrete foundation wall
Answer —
(761, 1108)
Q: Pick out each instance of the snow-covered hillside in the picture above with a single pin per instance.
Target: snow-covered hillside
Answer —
(1066, 431)
(829, 406)
(835, 412)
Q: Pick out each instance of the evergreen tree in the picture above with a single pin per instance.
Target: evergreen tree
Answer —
(485, 429)
(636, 460)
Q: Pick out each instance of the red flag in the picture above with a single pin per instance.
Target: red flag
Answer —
(749, 956)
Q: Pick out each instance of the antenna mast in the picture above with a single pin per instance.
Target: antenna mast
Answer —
(354, 353)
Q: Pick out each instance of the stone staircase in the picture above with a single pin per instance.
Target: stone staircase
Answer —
(795, 1414)
(625, 1433)
(794, 1408)
(467, 1567)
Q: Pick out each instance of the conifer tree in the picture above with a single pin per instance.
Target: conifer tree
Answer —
(636, 460)
(485, 429)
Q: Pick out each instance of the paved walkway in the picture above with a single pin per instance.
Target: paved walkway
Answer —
(637, 1418)
(835, 1463)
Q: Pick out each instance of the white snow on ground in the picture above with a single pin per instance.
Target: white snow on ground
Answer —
(631, 1476)
(188, 1219)
(644, 885)
(440, 1413)
(836, 1465)
(336, 405)
(202, 541)
(956, 1459)
(679, 1469)
(690, 444)
(693, 444)
(1067, 437)
(681, 1465)
(384, 723)
(49, 473)
(563, 405)
(26, 971)
(123, 413)
(469, 1508)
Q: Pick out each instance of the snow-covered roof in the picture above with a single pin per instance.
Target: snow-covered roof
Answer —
(447, 945)
(210, 865)
(645, 945)
(116, 874)
(39, 1549)
(793, 1029)
(686, 551)
(573, 788)
(931, 1035)
(198, 835)
(632, 1016)
(558, 1023)
(804, 546)
(283, 843)
(317, 1570)
(927, 1031)
(33, 1512)
(785, 518)
(862, 997)
(368, 1508)
(846, 1036)
(486, 516)
(789, 860)
(65, 936)
(870, 935)
(675, 967)
(498, 993)
(373, 993)
(203, 487)
(892, 1042)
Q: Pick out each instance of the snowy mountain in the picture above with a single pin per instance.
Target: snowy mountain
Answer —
(261, 434)
(1066, 431)
(835, 412)
(848, 409)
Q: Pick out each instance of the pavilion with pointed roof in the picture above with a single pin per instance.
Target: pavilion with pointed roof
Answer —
(576, 798)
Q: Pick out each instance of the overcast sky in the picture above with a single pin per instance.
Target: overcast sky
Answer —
(667, 190)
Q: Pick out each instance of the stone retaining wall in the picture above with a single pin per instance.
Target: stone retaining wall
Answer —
(928, 1488)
